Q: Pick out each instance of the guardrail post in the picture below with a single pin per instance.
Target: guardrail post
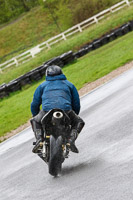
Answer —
(47, 44)
(127, 2)
(111, 10)
(63, 35)
(16, 62)
(32, 54)
(79, 27)
(96, 20)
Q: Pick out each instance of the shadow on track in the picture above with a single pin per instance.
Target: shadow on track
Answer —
(85, 166)
(74, 169)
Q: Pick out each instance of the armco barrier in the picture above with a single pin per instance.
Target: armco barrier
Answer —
(62, 60)
(24, 57)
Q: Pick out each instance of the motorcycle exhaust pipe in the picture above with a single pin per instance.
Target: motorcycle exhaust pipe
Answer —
(57, 117)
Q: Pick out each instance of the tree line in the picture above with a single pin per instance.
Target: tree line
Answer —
(11, 9)
(67, 12)
(71, 12)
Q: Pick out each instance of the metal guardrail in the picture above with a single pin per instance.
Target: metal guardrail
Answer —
(24, 57)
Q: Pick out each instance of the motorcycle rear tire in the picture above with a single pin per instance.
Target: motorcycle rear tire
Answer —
(56, 155)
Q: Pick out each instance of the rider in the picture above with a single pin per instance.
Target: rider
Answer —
(56, 92)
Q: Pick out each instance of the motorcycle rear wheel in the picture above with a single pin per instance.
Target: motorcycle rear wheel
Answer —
(56, 155)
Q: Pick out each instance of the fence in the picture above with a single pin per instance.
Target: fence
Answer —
(24, 57)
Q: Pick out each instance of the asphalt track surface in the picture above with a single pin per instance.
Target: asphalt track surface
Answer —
(103, 170)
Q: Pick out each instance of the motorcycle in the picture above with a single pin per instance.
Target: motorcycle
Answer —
(55, 147)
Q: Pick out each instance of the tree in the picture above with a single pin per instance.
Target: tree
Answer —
(10, 9)
(25, 5)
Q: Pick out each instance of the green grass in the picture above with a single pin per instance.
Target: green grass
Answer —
(73, 43)
(37, 25)
(32, 28)
(15, 110)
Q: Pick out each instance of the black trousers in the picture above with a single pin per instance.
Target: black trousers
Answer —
(76, 121)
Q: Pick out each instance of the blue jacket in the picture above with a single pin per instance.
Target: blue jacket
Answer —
(55, 92)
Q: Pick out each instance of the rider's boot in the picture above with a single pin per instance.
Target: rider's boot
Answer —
(73, 137)
(38, 131)
(77, 125)
(39, 141)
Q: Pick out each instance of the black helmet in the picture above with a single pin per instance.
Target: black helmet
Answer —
(53, 70)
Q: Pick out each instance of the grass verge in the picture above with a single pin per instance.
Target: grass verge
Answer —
(15, 110)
